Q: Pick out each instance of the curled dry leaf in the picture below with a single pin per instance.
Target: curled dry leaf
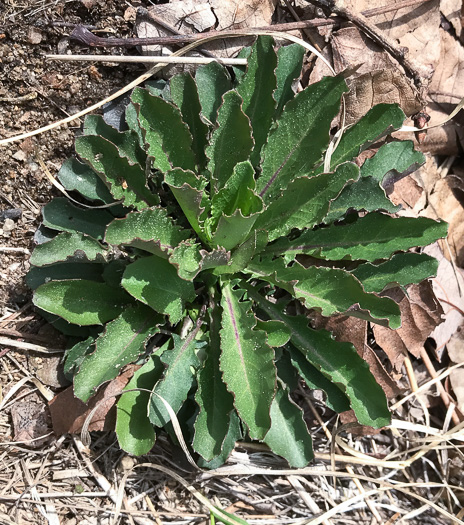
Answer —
(420, 314)
(354, 330)
(69, 413)
(449, 290)
(455, 347)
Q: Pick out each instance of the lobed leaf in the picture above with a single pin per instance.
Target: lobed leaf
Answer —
(289, 63)
(154, 281)
(81, 301)
(402, 269)
(69, 246)
(177, 380)
(379, 121)
(330, 291)
(122, 342)
(302, 134)
(167, 137)
(247, 363)
(212, 82)
(398, 158)
(256, 89)
(374, 236)
(339, 362)
(76, 176)
(59, 214)
(215, 402)
(127, 142)
(364, 194)
(126, 182)
(134, 429)
(288, 436)
(335, 399)
(230, 143)
(189, 191)
(305, 201)
(151, 230)
(185, 96)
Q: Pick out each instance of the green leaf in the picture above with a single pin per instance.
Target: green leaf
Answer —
(76, 176)
(337, 361)
(215, 402)
(122, 342)
(234, 433)
(364, 194)
(336, 400)
(237, 194)
(134, 429)
(304, 203)
(185, 96)
(75, 355)
(127, 142)
(288, 436)
(379, 121)
(402, 269)
(375, 236)
(189, 191)
(331, 291)
(256, 88)
(68, 246)
(81, 302)
(167, 137)
(212, 82)
(151, 230)
(232, 231)
(247, 363)
(398, 158)
(59, 214)
(155, 282)
(231, 142)
(278, 334)
(178, 378)
(289, 63)
(38, 275)
(244, 253)
(190, 259)
(302, 134)
(126, 182)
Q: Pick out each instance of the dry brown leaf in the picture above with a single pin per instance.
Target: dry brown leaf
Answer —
(190, 16)
(455, 347)
(449, 290)
(420, 314)
(69, 413)
(451, 10)
(30, 421)
(353, 330)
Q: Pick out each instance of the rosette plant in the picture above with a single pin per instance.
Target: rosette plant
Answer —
(181, 253)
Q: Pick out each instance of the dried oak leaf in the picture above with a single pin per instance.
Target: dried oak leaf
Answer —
(449, 290)
(69, 413)
(455, 347)
(353, 330)
(420, 314)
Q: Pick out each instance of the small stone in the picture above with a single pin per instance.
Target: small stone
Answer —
(34, 35)
(8, 225)
(20, 155)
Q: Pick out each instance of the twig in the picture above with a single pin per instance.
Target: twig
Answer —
(149, 59)
(374, 33)
(4, 341)
(85, 37)
(9, 249)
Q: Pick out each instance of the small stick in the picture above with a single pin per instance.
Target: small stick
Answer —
(8, 249)
(158, 59)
